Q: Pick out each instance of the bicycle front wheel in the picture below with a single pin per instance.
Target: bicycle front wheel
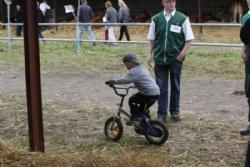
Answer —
(113, 129)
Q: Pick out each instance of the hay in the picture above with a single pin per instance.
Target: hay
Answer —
(12, 157)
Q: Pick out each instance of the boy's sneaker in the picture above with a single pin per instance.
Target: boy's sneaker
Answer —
(132, 121)
(176, 117)
(245, 131)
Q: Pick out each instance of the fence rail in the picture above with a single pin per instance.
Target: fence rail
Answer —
(131, 42)
(128, 24)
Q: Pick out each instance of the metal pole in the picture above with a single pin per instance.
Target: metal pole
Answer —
(33, 81)
(77, 25)
(9, 30)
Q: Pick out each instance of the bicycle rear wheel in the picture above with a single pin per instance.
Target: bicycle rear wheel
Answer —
(160, 128)
(113, 129)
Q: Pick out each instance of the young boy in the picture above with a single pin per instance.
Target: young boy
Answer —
(140, 76)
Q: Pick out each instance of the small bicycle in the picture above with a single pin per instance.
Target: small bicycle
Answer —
(154, 131)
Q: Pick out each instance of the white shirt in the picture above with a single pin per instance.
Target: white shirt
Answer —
(43, 7)
(249, 12)
(187, 30)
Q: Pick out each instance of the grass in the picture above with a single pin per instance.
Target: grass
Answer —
(70, 143)
(201, 62)
(203, 142)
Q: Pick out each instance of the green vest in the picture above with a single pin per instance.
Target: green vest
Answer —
(169, 38)
(245, 18)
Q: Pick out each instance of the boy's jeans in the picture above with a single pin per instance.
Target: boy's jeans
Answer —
(83, 28)
(162, 74)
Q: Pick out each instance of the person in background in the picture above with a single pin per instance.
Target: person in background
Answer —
(44, 7)
(85, 16)
(39, 20)
(245, 37)
(124, 17)
(19, 19)
(170, 36)
(111, 16)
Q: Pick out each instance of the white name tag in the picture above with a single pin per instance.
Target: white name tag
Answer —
(175, 28)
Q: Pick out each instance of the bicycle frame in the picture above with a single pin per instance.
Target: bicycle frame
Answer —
(122, 95)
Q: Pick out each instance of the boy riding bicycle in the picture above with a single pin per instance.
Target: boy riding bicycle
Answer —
(140, 76)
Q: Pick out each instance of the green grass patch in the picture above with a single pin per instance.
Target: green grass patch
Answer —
(200, 63)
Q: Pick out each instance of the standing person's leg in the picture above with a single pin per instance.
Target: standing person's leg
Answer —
(175, 80)
(112, 38)
(126, 33)
(106, 34)
(40, 35)
(91, 35)
(79, 38)
(21, 29)
(246, 131)
(18, 31)
(161, 74)
(121, 33)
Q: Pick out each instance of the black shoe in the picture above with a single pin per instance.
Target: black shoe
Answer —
(176, 117)
(132, 121)
(245, 131)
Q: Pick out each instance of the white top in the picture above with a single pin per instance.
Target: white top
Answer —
(249, 12)
(43, 7)
(187, 30)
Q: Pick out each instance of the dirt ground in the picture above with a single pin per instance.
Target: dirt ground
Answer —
(76, 106)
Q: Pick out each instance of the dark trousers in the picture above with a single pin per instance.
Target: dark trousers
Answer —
(247, 164)
(248, 100)
(247, 79)
(106, 35)
(162, 73)
(40, 35)
(124, 29)
(19, 31)
(140, 103)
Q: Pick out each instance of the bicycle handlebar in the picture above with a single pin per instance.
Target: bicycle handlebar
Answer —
(117, 88)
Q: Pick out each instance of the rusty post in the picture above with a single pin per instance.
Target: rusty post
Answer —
(33, 81)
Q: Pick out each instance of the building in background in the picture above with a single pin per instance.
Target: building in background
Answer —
(141, 11)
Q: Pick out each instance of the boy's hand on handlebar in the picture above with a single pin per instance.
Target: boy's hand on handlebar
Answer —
(110, 82)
